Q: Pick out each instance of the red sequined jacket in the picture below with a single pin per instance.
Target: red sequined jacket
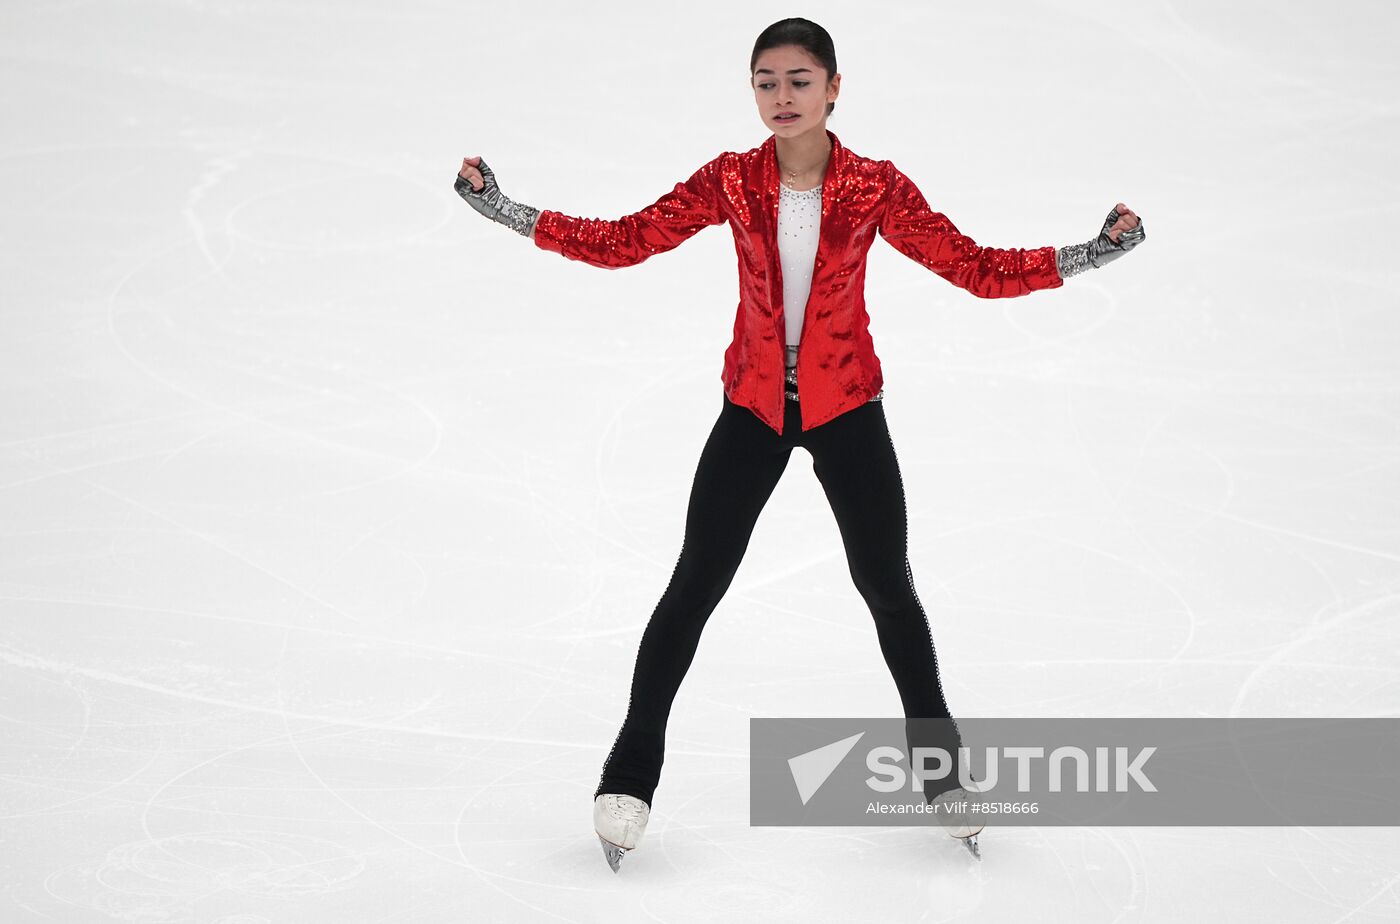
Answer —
(837, 369)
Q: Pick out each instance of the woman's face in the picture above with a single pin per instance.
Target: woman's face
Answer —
(789, 81)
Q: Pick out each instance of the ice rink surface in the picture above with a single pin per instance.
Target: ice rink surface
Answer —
(332, 513)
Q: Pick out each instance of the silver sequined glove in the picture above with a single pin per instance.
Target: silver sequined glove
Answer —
(494, 204)
(1099, 252)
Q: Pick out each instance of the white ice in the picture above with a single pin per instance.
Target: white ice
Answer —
(332, 513)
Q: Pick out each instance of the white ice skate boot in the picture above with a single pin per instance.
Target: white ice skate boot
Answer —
(951, 808)
(620, 821)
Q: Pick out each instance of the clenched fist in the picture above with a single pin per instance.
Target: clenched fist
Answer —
(1126, 220)
(470, 173)
(1122, 231)
(476, 184)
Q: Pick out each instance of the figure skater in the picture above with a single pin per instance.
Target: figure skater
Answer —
(804, 210)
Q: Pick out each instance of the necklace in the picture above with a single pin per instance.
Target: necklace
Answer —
(791, 181)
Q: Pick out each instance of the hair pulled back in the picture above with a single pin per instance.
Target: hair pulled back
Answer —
(806, 35)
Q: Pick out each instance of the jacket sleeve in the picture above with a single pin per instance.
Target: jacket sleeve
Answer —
(930, 238)
(629, 240)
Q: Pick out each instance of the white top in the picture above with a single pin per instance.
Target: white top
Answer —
(799, 225)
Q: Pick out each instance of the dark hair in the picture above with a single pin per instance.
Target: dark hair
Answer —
(803, 33)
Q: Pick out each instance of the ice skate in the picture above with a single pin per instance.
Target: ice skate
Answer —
(620, 821)
(951, 810)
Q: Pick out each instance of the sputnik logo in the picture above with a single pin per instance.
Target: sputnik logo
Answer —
(812, 769)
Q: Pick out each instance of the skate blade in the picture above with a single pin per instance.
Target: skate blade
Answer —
(971, 844)
(613, 852)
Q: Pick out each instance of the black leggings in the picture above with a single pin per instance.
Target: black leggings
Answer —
(853, 458)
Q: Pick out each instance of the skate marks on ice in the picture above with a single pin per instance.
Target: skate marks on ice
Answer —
(168, 877)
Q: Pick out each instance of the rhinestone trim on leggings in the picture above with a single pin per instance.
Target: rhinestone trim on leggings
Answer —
(909, 576)
(602, 777)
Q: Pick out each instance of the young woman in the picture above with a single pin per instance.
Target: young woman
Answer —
(801, 371)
